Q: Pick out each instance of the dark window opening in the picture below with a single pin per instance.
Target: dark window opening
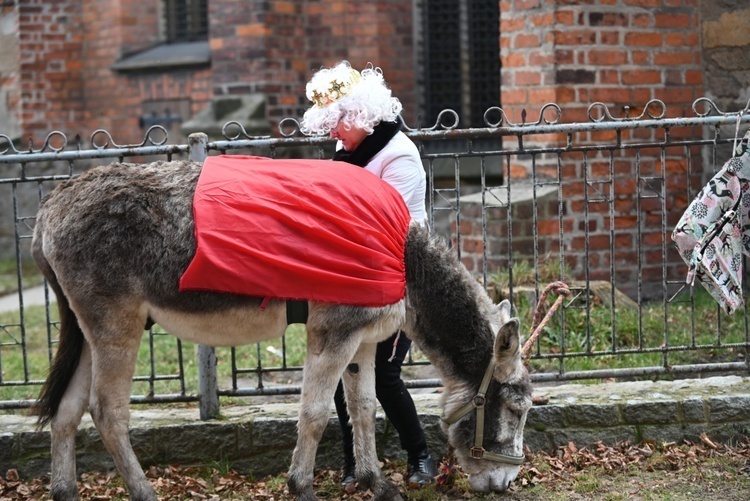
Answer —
(442, 61)
(461, 59)
(186, 20)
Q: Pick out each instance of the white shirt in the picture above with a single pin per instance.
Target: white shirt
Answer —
(399, 164)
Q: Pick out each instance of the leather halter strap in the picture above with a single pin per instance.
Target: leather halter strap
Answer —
(478, 403)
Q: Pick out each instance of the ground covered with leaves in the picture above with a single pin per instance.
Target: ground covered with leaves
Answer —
(646, 471)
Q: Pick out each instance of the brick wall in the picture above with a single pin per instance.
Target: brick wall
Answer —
(621, 53)
(377, 32)
(275, 47)
(114, 100)
(618, 52)
(66, 49)
(605, 226)
(238, 35)
(50, 83)
(138, 22)
(9, 64)
(107, 98)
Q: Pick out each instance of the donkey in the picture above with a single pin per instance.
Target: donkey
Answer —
(113, 244)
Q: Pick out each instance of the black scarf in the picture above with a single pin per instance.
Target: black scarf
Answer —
(370, 145)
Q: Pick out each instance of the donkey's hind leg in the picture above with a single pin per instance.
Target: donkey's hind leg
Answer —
(114, 352)
(359, 388)
(63, 428)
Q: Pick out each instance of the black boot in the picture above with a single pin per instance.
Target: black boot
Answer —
(349, 474)
(422, 469)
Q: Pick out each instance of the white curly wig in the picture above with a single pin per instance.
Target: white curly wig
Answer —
(343, 94)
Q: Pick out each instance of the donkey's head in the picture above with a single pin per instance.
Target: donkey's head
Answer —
(487, 432)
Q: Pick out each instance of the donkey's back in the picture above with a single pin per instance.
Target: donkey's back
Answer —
(124, 229)
(106, 228)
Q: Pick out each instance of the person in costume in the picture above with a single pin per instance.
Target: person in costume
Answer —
(357, 109)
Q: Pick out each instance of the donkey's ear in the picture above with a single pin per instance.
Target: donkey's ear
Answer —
(507, 342)
(503, 309)
(507, 349)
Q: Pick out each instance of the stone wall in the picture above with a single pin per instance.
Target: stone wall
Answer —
(725, 40)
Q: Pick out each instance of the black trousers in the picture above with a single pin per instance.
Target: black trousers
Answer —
(393, 397)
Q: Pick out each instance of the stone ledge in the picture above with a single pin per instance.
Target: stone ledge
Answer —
(260, 438)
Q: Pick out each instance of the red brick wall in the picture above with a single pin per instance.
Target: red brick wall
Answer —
(377, 32)
(51, 88)
(110, 104)
(607, 225)
(116, 28)
(271, 47)
(66, 50)
(138, 22)
(285, 60)
(622, 53)
(9, 75)
(618, 52)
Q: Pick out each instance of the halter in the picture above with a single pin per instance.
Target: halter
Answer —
(478, 402)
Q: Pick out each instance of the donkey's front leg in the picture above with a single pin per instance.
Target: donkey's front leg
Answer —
(320, 377)
(359, 388)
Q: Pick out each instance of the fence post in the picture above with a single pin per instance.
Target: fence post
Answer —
(208, 383)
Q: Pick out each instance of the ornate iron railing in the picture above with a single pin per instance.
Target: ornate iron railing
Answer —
(590, 203)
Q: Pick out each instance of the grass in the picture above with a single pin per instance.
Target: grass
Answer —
(158, 365)
(590, 335)
(595, 336)
(703, 335)
(30, 275)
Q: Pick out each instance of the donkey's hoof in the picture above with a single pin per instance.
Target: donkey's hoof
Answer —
(299, 491)
(144, 493)
(385, 491)
(307, 495)
(64, 492)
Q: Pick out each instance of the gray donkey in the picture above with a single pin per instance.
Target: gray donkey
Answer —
(113, 244)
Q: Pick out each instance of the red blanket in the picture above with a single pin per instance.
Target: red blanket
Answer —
(298, 229)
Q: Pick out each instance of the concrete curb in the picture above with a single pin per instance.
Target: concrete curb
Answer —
(260, 438)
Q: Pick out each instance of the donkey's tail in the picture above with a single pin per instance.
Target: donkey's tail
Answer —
(69, 348)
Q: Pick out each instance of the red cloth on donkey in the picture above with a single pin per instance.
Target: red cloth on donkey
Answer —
(298, 229)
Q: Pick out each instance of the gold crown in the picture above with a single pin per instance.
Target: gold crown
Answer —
(336, 89)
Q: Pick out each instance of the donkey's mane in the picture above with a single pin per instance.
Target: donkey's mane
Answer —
(451, 310)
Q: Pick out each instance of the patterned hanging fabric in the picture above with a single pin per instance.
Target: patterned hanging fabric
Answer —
(714, 231)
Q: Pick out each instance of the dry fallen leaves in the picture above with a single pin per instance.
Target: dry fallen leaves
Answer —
(567, 462)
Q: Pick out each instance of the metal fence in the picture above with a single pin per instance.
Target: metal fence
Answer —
(591, 204)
